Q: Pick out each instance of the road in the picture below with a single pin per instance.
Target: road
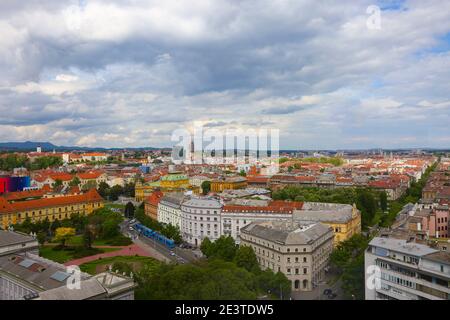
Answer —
(317, 292)
(177, 255)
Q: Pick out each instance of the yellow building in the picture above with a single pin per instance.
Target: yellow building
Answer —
(231, 183)
(344, 219)
(174, 181)
(141, 191)
(54, 208)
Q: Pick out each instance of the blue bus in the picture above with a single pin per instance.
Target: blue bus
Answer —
(154, 235)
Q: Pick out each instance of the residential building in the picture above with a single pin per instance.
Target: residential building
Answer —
(240, 213)
(171, 182)
(94, 156)
(93, 178)
(53, 208)
(198, 180)
(400, 269)
(301, 251)
(169, 208)
(200, 219)
(174, 180)
(151, 204)
(13, 242)
(344, 219)
(26, 276)
(228, 183)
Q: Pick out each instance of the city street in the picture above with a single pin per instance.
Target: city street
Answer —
(177, 255)
(317, 293)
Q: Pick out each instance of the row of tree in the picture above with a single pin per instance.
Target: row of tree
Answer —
(229, 273)
(102, 224)
(167, 230)
(225, 249)
(336, 161)
(368, 201)
(348, 260)
(12, 160)
(113, 193)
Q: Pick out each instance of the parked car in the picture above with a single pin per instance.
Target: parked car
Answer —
(327, 292)
(332, 296)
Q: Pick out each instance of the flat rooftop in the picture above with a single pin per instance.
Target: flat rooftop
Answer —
(8, 238)
(403, 246)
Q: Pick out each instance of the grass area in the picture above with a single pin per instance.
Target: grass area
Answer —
(118, 241)
(135, 262)
(110, 205)
(62, 255)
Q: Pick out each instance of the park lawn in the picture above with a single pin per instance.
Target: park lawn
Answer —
(69, 253)
(137, 263)
(78, 241)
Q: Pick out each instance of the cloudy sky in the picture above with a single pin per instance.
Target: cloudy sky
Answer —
(129, 72)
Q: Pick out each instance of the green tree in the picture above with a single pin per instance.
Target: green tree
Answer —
(128, 190)
(58, 183)
(41, 237)
(206, 187)
(348, 259)
(223, 248)
(64, 234)
(91, 184)
(115, 192)
(103, 189)
(383, 201)
(246, 258)
(205, 247)
(88, 237)
(367, 202)
(129, 210)
(75, 182)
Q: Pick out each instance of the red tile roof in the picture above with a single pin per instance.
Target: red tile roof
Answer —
(61, 176)
(277, 206)
(88, 197)
(154, 198)
(89, 175)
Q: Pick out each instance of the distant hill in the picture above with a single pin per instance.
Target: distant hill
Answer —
(27, 145)
(48, 146)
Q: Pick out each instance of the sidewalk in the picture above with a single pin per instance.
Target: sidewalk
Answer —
(151, 251)
(130, 250)
(317, 292)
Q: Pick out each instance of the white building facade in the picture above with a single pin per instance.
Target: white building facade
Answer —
(169, 209)
(200, 219)
(301, 251)
(396, 269)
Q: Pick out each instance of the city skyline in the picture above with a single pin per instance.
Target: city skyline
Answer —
(127, 73)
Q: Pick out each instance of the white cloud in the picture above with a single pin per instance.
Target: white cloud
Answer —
(128, 72)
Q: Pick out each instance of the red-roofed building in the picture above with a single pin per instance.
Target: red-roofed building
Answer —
(53, 208)
(151, 204)
(257, 181)
(94, 156)
(95, 177)
(235, 216)
(392, 188)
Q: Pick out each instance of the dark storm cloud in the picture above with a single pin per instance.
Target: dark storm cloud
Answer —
(102, 71)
